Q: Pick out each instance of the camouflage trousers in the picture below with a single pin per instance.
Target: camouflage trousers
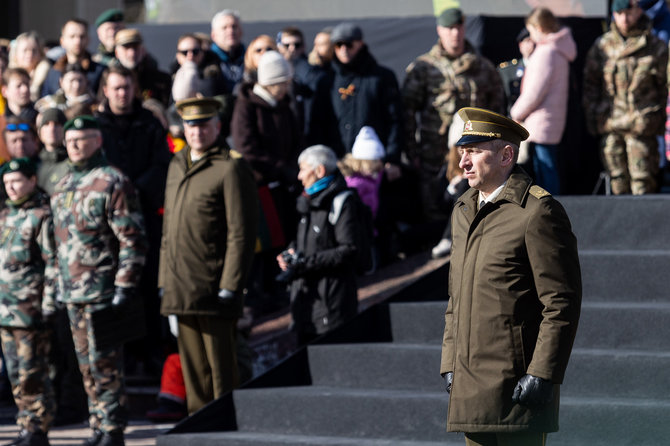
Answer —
(632, 163)
(26, 351)
(101, 371)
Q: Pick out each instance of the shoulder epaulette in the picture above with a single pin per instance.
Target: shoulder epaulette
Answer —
(537, 192)
(235, 154)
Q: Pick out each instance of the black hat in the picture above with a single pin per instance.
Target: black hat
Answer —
(620, 5)
(24, 165)
(110, 15)
(484, 125)
(84, 122)
(523, 34)
(346, 32)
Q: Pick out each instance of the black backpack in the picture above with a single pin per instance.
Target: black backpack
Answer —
(366, 259)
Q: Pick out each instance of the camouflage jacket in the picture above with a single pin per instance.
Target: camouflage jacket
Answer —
(27, 262)
(99, 229)
(625, 86)
(436, 87)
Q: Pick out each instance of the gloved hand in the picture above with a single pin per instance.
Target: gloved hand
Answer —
(448, 379)
(533, 392)
(226, 296)
(122, 297)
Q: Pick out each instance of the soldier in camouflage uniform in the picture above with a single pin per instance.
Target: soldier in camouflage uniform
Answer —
(624, 98)
(450, 76)
(101, 250)
(27, 292)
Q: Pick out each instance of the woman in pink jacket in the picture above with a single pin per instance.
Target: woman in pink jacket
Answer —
(542, 105)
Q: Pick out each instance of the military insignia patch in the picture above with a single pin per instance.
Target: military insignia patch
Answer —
(468, 126)
(14, 165)
(78, 123)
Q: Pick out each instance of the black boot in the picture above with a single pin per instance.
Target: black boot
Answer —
(113, 439)
(94, 439)
(34, 438)
(22, 434)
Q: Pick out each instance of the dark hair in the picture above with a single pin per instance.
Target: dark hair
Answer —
(16, 121)
(77, 21)
(14, 71)
(73, 68)
(291, 31)
(116, 69)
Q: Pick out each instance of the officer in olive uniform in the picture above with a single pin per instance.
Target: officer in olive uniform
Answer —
(511, 71)
(27, 293)
(208, 241)
(514, 309)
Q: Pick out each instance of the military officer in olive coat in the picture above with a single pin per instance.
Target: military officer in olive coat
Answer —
(515, 293)
(209, 235)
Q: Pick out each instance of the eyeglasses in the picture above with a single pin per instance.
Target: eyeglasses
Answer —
(262, 50)
(68, 141)
(296, 45)
(23, 127)
(349, 45)
(194, 51)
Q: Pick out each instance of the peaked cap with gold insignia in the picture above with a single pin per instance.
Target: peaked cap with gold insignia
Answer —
(484, 125)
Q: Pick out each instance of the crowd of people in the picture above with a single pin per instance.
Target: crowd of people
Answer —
(252, 177)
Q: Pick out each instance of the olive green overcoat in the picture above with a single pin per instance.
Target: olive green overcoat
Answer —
(515, 299)
(209, 232)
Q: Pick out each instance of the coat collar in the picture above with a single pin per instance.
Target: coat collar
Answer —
(515, 191)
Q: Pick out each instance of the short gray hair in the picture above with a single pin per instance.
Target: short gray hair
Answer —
(226, 13)
(319, 155)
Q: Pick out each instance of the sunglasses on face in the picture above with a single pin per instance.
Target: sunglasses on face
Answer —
(349, 45)
(14, 127)
(262, 50)
(194, 51)
(295, 45)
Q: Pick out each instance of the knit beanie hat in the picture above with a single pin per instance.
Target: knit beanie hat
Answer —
(186, 83)
(367, 145)
(273, 69)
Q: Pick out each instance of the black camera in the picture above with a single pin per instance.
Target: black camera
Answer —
(293, 261)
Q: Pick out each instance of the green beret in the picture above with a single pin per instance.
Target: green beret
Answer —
(194, 110)
(484, 125)
(620, 5)
(450, 17)
(82, 123)
(24, 165)
(110, 15)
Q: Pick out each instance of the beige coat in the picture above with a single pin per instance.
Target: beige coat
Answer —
(515, 297)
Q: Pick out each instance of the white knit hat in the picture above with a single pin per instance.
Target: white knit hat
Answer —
(367, 145)
(273, 69)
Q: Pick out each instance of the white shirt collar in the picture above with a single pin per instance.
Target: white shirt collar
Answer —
(492, 196)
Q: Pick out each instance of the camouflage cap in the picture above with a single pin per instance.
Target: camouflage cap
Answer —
(450, 17)
(196, 110)
(84, 122)
(127, 36)
(24, 165)
(484, 125)
(110, 15)
(620, 5)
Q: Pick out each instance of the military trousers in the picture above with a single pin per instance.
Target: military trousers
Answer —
(208, 358)
(631, 162)
(26, 351)
(101, 371)
(506, 439)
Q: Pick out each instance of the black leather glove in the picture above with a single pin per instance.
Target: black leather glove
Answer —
(448, 379)
(533, 392)
(122, 297)
(226, 296)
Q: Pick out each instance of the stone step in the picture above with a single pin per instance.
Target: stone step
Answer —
(591, 372)
(628, 276)
(623, 222)
(607, 325)
(271, 439)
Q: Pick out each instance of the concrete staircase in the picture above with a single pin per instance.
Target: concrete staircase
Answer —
(376, 382)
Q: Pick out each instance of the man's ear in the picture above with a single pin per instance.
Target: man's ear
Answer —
(507, 155)
(320, 171)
